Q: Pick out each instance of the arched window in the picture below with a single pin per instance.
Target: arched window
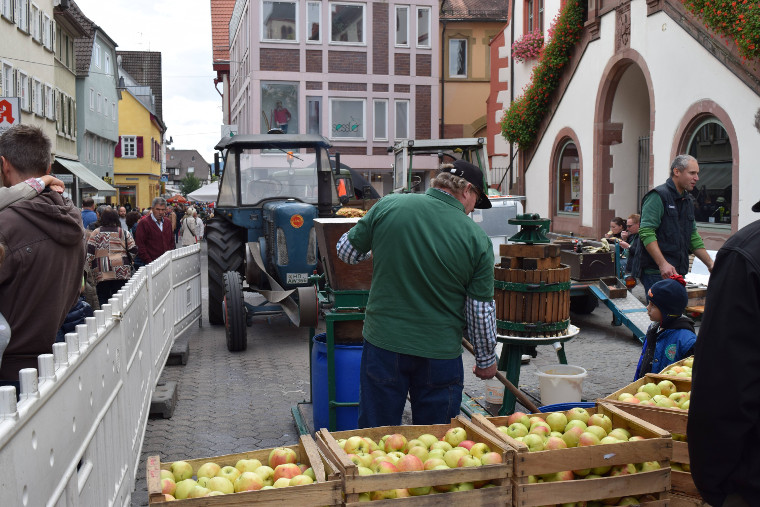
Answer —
(568, 179)
(710, 145)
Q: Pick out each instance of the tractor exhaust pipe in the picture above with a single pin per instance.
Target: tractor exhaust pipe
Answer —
(324, 188)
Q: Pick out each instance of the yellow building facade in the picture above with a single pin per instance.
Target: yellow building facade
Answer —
(137, 159)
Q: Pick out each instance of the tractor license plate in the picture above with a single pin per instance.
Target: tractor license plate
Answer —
(297, 278)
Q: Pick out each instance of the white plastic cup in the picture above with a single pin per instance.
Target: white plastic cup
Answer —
(560, 383)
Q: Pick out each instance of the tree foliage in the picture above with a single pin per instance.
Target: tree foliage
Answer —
(189, 184)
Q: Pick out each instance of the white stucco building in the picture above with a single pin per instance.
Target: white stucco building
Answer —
(646, 82)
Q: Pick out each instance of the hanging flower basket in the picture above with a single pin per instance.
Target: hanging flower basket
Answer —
(527, 47)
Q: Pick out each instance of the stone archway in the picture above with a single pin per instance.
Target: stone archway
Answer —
(624, 112)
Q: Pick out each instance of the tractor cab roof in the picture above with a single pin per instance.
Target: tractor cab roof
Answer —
(265, 141)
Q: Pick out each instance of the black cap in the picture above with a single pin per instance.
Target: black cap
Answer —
(474, 175)
(756, 207)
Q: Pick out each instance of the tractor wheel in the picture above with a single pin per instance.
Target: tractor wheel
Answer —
(225, 253)
(234, 312)
(583, 305)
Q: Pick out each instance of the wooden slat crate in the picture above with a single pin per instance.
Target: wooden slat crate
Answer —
(677, 500)
(657, 446)
(675, 377)
(354, 484)
(341, 276)
(682, 385)
(675, 423)
(327, 490)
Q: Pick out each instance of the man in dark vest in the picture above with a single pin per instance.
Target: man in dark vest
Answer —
(668, 229)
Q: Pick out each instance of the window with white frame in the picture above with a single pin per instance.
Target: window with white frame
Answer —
(380, 119)
(96, 55)
(23, 91)
(423, 27)
(99, 102)
(457, 57)
(7, 80)
(46, 29)
(23, 14)
(6, 9)
(313, 21)
(106, 109)
(92, 99)
(37, 98)
(35, 23)
(347, 118)
(107, 64)
(402, 119)
(49, 105)
(347, 23)
(129, 146)
(402, 26)
(278, 21)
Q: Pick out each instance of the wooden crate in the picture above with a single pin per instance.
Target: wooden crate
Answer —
(680, 383)
(354, 483)
(612, 287)
(341, 276)
(677, 500)
(675, 423)
(328, 490)
(658, 446)
(674, 377)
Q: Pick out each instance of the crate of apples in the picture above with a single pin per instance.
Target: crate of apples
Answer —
(574, 456)
(457, 462)
(653, 390)
(681, 369)
(297, 473)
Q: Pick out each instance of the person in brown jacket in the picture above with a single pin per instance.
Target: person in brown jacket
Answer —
(154, 234)
(41, 275)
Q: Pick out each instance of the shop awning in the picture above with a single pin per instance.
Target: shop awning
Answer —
(86, 176)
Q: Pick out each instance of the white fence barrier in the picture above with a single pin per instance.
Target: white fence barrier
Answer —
(75, 436)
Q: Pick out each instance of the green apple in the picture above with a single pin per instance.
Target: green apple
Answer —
(651, 389)
(689, 361)
(479, 449)
(436, 453)
(534, 442)
(365, 471)
(667, 387)
(427, 439)
(167, 474)
(601, 420)
(229, 472)
(248, 481)
(431, 463)
(442, 445)
(203, 481)
(208, 470)
(247, 465)
(419, 451)
(301, 480)
(557, 421)
(649, 466)
(625, 396)
(575, 423)
(609, 440)
(517, 430)
(598, 431)
(572, 436)
(310, 473)
(466, 486)
(198, 492)
(454, 436)
(452, 457)
(422, 490)
(577, 413)
(266, 473)
(520, 417)
(468, 461)
(282, 482)
(587, 438)
(221, 484)
(642, 396)
(620, 433)
(182, 470)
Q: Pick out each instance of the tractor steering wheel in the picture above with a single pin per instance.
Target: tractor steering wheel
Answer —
(260, 189)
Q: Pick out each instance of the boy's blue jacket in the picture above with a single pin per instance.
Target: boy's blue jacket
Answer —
(670, 345)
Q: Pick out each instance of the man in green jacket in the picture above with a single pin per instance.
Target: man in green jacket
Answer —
(668, 230)
(432, 277)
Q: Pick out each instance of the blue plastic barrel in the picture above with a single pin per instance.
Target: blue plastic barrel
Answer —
(562, 407)
(347, 364)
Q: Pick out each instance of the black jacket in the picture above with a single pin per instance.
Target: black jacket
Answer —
(725, 395)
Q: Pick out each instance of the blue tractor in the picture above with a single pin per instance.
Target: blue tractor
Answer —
(272, 189)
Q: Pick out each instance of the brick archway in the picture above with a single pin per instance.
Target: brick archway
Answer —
(607, 133)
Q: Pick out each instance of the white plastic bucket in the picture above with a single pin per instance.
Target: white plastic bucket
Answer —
(495, 390)
(560, 383)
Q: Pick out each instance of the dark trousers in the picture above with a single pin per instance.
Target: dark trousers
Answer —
(434, 387)
(107, 288)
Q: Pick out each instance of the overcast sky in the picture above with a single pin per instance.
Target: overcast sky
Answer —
(181, 31)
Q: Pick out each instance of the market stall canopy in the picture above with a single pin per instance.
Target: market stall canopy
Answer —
(207, 193)
(86, 176)
(176, 198)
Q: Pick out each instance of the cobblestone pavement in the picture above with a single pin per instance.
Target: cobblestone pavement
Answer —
(230, 403)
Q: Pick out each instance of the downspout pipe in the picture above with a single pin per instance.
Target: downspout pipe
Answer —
(511, 82)
(443, 74)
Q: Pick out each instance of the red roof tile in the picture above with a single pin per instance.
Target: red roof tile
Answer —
(221, 12)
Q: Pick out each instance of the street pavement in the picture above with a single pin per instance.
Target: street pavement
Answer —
(236, 402)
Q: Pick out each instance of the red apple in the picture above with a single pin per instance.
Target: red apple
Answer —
(520, 417)
(386, 467)
(586, 439)
(395, 442)
(467, 444)
(491, 458)
(286, 470)
(553, 443)
(282, 455)
(168, 486)
(410, 463)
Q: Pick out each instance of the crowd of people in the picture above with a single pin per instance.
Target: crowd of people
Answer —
(82, 257)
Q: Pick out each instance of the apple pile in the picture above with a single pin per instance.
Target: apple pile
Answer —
(394, 453)
(282, 470)
(662, 394)
(682, 370)
(574, 428)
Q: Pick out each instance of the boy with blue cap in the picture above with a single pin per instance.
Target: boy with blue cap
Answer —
(671, 336)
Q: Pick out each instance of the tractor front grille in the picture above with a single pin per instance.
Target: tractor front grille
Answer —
(282, 248)
(311, 251)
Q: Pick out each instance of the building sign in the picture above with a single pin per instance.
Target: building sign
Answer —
(67, 179)
(229, 130)
(10, 112)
